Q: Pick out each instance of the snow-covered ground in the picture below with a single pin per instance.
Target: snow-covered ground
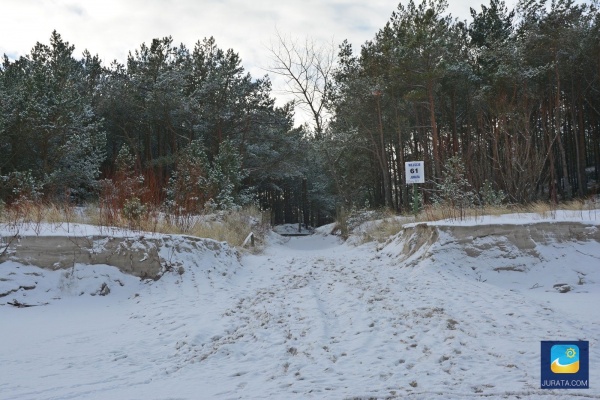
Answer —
(432, 313)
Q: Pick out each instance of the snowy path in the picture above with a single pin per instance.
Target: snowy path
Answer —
(309, 318)
(355, 323)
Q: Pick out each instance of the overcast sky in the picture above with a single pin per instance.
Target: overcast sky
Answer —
(112, 28)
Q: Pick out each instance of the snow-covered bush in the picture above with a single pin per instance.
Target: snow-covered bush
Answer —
(133, 210)
(197, 185)
(454, 193)
(20, 185)
(491, 197)
(225, 176)
(188, 187)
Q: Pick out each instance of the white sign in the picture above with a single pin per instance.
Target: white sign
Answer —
(415, 171)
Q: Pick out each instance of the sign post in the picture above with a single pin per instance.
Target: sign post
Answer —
(415, 173)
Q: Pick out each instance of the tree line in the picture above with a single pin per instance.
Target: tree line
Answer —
(512, 94)
(179, 128)
(510, 99)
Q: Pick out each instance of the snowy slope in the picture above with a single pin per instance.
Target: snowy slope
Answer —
(430, 314)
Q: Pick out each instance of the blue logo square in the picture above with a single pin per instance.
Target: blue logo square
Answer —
(564, 365)
(564, 359)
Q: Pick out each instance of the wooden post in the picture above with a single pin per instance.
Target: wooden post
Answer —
(249, 238)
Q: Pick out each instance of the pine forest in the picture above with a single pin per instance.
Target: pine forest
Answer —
(503, 108)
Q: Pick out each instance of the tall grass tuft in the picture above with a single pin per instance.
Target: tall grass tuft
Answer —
(225, 226)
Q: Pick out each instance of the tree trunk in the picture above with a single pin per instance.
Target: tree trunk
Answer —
(383, 162)
(557, 127)
(580, 150)
(434, 131)
(454, 127)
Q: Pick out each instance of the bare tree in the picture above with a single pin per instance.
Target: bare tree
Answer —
(307, 69)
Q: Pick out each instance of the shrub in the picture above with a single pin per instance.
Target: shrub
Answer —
(490, 197)
(134, 210)
(454, 192)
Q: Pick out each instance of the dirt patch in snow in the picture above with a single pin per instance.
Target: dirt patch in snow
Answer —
(417, 238)
(138, 256)
(505, 239)
(526, 237)
(134, 256)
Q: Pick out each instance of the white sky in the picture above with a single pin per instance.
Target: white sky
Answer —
(112, 28)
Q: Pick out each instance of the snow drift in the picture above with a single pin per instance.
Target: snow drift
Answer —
(556, 253)
(56, 264)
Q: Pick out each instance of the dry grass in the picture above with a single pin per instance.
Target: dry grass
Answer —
(368, 225)
(379, 226)
(544, 209)
(437, 213)
(381, 231)
(232, 227)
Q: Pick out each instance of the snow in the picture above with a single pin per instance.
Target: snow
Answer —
(591, 217)
(310, 317)
(68, 230)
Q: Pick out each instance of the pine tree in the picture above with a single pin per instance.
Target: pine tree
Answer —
(225, 176)
(454, 190)
(49, 126)
(188, 188)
